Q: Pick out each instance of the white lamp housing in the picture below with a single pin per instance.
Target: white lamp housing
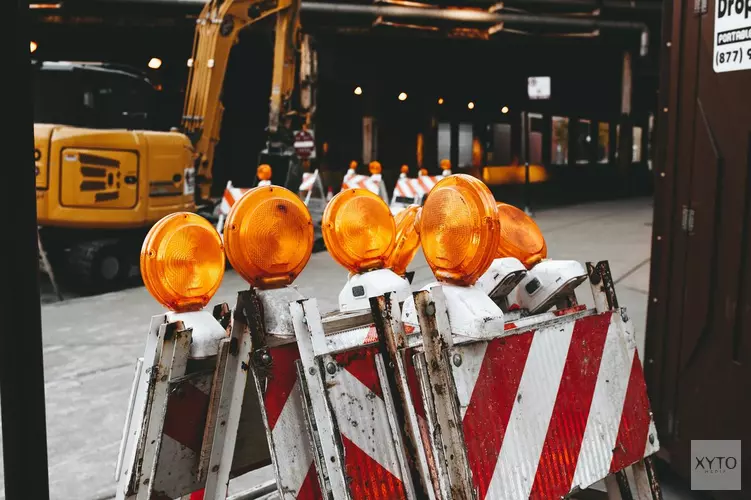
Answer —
(547, 283)
(501, 277)
(356, 294)
(471, 312)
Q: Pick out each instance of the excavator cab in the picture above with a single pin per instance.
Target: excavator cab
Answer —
(104, 171)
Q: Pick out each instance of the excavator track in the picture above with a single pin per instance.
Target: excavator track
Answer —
(101, 265)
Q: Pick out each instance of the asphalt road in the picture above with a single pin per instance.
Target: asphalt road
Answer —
(91, 343)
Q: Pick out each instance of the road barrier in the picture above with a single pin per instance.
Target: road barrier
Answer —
(447, 392)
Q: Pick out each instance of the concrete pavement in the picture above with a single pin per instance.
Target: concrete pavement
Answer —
(91, 344)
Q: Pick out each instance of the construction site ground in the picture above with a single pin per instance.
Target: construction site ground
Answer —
(91, 343)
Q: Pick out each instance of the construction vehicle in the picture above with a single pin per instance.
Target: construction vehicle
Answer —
(475, 401)
(104, 175)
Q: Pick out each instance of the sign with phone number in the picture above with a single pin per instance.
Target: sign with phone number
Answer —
(732, 35)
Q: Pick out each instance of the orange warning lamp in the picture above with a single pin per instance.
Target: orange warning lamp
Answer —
(353, 165)
(520, 237)
(445, 164)
(375, 168)
(405, 169)
(264, 172)
(459, 229)
(268, 236)
(182, 261)
(423, 171)
(358, 230)
(407, 240)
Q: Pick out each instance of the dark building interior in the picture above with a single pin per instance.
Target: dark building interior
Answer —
(442, 69)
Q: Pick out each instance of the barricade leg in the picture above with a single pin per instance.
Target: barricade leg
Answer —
(273, 362)
(171, 348)
(393, 347)
(447, 439)
(353, 410)
(223, 420)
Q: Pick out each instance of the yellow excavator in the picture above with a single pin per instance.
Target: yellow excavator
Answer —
(103, 176)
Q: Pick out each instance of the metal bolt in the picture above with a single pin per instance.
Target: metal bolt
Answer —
(457, 358)
(654, 299)
(662, 174)
(659, 238)
(669, 44)
(266, 358)
(624, 315)
(215, 468)
(665, 109)
(651, 439)
(312, 370)
(430, 309)
(331, 368)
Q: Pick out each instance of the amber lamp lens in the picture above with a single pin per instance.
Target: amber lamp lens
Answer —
(375, 168)
(445, 164)
(459, 229)
(182, 261)
(358, 230)
(407, 240)
(520, 236)
(264, 172)
(353, 165)
(423, 171)
(269, 236)
(405, 169)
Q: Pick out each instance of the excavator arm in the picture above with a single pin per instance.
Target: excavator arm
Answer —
(217, 30)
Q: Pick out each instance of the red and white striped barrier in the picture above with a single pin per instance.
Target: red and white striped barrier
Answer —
(548, 406)
(308, 180)
(311, 182)
(411, 190)
(360, 406)
(373, 183)
(526, 400)
(229, 198)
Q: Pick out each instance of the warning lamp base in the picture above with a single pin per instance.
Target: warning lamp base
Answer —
(207, 332)
(471, 312)
(276, 313)
(547, 284)
(356, 294)
(501, 277)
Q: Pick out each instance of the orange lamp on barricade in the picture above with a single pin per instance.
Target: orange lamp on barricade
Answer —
(407, 239)
(459, 231)
(182, 264)
(404, 172)
(264, 175)
(520, 236)
(360, 233)
(445, 167)
(423, 172)
(520, 246)
(268, 238)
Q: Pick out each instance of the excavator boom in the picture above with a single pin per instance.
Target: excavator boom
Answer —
(217, 30)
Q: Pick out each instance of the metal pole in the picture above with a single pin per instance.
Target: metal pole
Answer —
(525, 154)
(21, 368)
